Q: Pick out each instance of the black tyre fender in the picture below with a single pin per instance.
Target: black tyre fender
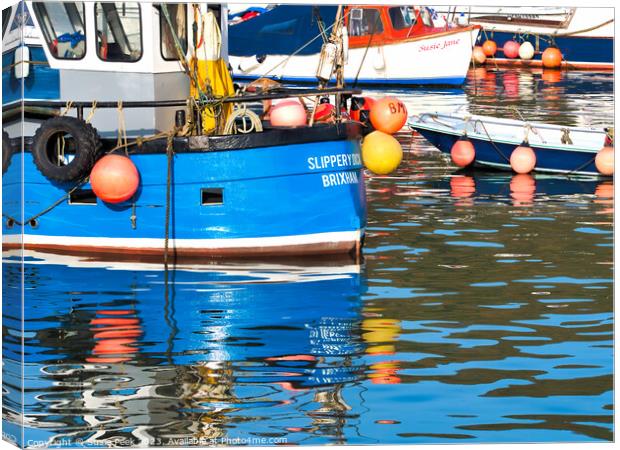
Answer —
(85, 143)
(7, 151)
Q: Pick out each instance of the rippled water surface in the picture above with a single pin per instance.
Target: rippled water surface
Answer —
(482, 312)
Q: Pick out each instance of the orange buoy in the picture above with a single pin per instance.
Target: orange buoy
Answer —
(388, 115)
(478, 56)
(552, 58)
(489, 48)
(325, 112)
(511, 49)
(381, 152)
(523, 159)
(463, 152)
(114, 179)
(604, 161)
(288, 113)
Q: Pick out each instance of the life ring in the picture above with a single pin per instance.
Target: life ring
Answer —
(7, 151)
(79, 138)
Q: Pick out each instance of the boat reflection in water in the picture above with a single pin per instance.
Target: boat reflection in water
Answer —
(114, 354)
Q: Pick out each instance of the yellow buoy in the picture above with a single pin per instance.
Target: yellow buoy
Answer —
(381, 153)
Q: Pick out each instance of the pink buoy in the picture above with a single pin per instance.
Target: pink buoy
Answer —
(604, 161)
(523, 159)
(288, 113)
(511, 49)
(114, 179)
(463, 152)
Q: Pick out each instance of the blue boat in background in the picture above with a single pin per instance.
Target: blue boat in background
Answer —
(584, 35)
(208, 187)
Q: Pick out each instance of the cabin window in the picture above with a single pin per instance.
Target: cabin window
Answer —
(427, 17)
(119, 31)
(177, 14)
(62, 25)
(6, 16)
(400, 17)
(363, 22)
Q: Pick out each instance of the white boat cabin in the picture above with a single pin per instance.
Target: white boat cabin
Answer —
(108, 51)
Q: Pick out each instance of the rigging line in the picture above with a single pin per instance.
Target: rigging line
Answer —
(297, 51)
(319, 21)
(180, 54)
(359, 69)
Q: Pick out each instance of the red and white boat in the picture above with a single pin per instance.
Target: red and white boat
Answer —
(397, 45)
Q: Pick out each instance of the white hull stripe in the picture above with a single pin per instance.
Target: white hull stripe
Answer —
(138, 243)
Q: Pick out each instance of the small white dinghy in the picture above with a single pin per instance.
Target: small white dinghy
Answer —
(557, 149)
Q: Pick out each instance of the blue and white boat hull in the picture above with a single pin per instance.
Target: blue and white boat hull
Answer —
(495, 139)
(275, 200)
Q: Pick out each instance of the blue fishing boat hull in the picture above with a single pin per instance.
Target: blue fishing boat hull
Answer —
(304, 198)
(497, 154)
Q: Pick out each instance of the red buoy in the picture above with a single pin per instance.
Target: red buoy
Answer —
(388, 115)
(489, 48)
(325, 112)
(523, 159)
(552, 58)
(114, 179)
(463, 152)
(511, 49)
(604, 161)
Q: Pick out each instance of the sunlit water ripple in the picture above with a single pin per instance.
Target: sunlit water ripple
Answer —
(482, 312)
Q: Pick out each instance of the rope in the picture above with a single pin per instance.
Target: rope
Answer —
(497, 149)
(91, 114)
(243, 113)
(565, 139)
(68, 107)
(180, 54)
(121, 141)
(34, 63)
(285, 60)
(585, 30)
(359, 69)
(49, 208)
(170, 154)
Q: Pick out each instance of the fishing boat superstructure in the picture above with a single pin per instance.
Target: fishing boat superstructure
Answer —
(386, 45)
(116, 77)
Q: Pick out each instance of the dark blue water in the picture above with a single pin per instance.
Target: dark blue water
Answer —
(482, 312)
